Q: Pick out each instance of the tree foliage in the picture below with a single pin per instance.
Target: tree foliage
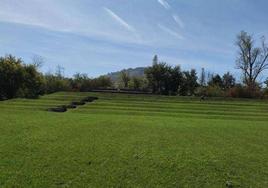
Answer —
(228, 81)
(189, 83)
(125, 78)
(169, 80)
(216, 80)
(18, 79)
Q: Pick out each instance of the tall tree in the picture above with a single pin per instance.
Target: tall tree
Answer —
(156, 75)
(60, 72)
(38, 61)
(190, 83)
(32, 83)
(175, 79)
(251, 60)
(228, 80)
(18, 79)
(11, 76)
(216, 80)
(125, 78)
(137, 82)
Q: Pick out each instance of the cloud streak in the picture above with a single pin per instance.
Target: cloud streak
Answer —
(164, 4)
(120, 20)
(170, 31)
(178, 20)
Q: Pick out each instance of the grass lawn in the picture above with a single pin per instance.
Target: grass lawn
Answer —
(125, 140)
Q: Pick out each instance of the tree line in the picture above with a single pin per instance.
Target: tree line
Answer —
(18, 79)
(251, 60)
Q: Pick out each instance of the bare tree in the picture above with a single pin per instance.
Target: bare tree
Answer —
(251, 60)
(60, 71)
(38, 61)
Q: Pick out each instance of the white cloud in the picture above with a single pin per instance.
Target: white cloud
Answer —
(119, 20)
(178, 20)
(67, 17)
(124, 24)
(170, 31)
(46, 14)
(164, 4)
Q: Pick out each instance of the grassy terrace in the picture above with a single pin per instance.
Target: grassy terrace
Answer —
(125, 140)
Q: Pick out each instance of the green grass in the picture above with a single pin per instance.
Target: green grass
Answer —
(133, 141)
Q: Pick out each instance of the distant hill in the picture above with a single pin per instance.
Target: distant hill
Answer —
(137, 72)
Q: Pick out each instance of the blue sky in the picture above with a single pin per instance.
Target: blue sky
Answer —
(100, 36)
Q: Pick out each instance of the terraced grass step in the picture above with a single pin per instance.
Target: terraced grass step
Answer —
(133, 140)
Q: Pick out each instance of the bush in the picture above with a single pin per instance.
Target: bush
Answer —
(210, 91)
(54, 83)
(214, 91)
(33, 82)
(11, 76)
(240, 91)
(18, 79)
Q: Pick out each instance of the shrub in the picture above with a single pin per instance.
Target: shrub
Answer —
(240, 91)
(18, 79)
(54, 83)
(214, 91)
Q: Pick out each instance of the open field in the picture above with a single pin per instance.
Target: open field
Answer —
(125, 140)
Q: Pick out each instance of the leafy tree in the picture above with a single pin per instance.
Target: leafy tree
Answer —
(157, 76)
(125, 78)
(32, 83)
(175, 79)
(102, 82)
(137, 82)
(163, 78)
(216, 80)
(18, 79)
(11, 76)
(168, 80)
(81, 82)
(251, 60)
(190, 83)
(228, 80)
(54, 83)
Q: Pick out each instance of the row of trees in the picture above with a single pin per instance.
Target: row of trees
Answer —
(24, 80)
(18, 79)
(161, 78)
(137, 83)
(165, 79)
(252, 61)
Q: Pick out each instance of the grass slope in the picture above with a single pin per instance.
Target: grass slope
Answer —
(133, 141)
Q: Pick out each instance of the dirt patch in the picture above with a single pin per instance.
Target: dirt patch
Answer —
(58, 109)
(70, 106)
(90, 99)
(80, 103)
(73, 105)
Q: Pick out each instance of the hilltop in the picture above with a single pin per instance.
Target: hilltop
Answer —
(132, 72)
